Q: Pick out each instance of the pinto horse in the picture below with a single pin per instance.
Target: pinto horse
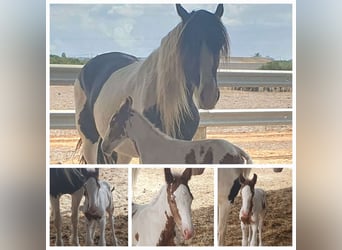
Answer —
(163, 86)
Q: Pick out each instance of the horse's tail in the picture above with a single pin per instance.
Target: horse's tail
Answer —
(245, 155)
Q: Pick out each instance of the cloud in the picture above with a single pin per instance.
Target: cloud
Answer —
(138, 28)
(127, 10)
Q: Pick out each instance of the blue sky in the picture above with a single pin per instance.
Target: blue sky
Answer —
(86, 30)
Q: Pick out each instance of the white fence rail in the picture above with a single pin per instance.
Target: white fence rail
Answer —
(66, 75)
(61, 74)
(65, 119)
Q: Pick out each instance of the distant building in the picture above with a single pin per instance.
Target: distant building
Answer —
(243, 62)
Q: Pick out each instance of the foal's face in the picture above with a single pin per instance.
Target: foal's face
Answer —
(115, 134)
(91, 187)
(246, 196)
(183, 200)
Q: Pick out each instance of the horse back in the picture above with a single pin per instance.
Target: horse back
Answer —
(97, 71)
(65, 180)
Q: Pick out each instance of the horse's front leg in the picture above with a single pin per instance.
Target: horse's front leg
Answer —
(245, 236)
(89, 151)
(76, 200)
(254, 227)
(111, 222)
(261, 223)
(57, 219)
(102, 225)
(90, 232)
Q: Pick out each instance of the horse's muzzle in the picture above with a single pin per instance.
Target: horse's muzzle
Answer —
(188, 234)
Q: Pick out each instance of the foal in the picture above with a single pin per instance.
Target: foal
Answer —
(252, 212)
(98, 200)
(154, 224)
(155, 147)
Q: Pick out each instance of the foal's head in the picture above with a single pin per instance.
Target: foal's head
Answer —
(247, 194)
(91, 190)
(179, 198)
(116, 131)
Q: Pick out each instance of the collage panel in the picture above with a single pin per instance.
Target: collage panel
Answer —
(255, 206)
(193, 75)
(91, 200)
(173, 207)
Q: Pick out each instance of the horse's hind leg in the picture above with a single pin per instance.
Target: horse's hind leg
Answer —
(223, 211)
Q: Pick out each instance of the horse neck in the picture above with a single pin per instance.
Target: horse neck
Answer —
(160, 204)
(169, 82)
(145, 135)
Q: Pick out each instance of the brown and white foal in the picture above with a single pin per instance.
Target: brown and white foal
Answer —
(154, 147)
(154, 224)
(252, 212)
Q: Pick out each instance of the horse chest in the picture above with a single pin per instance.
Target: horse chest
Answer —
(168, 234)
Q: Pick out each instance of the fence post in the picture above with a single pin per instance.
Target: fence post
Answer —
(200, 134)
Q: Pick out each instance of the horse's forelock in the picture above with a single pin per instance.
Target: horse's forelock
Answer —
(203, 26)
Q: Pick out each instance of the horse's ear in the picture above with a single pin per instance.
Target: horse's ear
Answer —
(187, 174)
(197, 171)
(254, 180)
(242, 179)
(219, 10)
(168, 175)
(129, 101)
(182, 12)
(127, 104)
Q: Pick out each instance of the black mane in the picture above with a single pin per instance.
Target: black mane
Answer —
(202, 26)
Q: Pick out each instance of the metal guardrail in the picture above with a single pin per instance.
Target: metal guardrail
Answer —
(65, 119)
(61, 74)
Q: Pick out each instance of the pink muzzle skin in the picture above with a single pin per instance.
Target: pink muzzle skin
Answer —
(187, 234)
(244, 214)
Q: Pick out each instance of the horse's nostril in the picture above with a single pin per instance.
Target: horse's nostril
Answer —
(187, 234)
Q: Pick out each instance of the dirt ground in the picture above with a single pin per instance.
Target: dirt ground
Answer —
(117, 177)
(265, 144)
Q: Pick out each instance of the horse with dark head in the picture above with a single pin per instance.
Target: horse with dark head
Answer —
(163, 86)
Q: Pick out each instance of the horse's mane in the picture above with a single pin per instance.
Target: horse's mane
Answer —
(171, 83)
(180, 49)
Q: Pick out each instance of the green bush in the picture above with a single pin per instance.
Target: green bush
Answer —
(54, 59)
(277, 65)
